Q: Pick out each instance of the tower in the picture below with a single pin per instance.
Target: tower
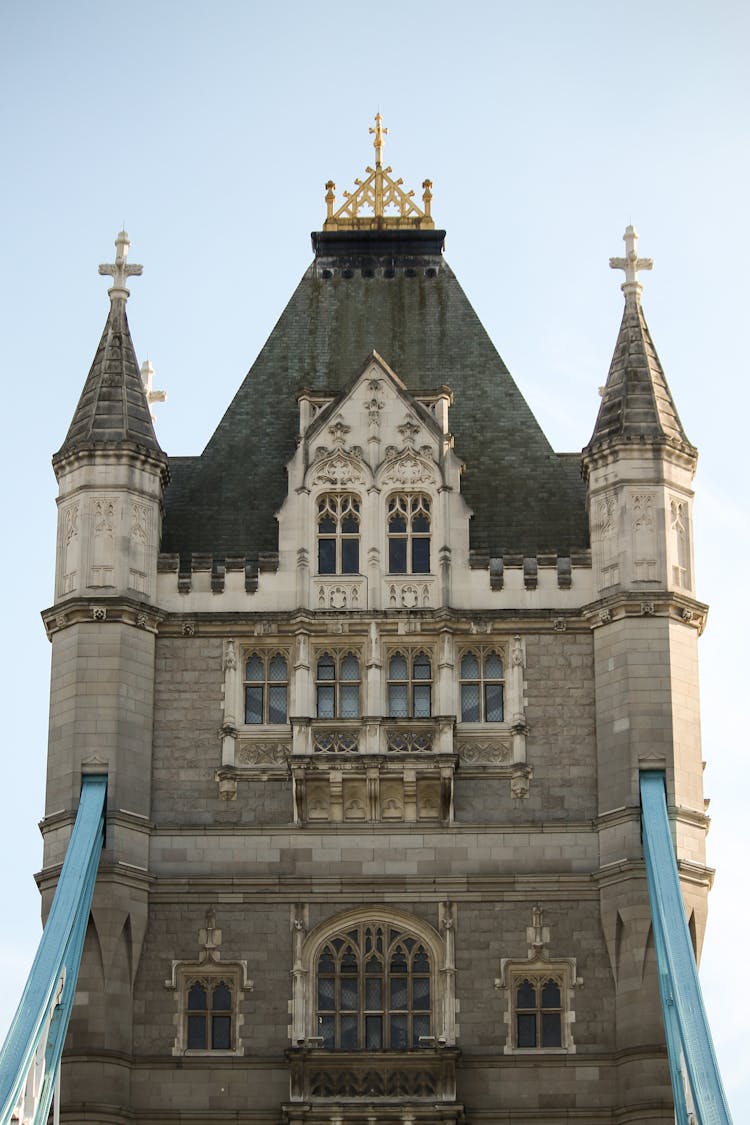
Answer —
(373, 703)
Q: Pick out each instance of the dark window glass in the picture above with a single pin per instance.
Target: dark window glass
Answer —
(420, 556)
(526, 1024)
(253, 704)
(196, 1033)
(221, 1033)
(397, 556)
(349, 556)
(326, 556)
(481, 688)
(551, 1029)
(266, 687)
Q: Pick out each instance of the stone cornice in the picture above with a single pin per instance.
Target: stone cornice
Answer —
(646, 603)
(118, 453)
(113, 611)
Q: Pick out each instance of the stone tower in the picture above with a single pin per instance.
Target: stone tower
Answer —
(372, 703)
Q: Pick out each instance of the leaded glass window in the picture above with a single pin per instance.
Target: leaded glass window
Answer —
(409, 534)
(209, 1016)
(266, 688)
(337, 682)
(409, 686)
(374, 989)
(538, 1012)
(338, 534)
(482, 685)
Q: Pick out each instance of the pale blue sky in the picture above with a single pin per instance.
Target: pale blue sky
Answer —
(210, 131)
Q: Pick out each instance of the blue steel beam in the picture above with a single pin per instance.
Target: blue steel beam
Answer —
(689, 1042)
(31, 1054)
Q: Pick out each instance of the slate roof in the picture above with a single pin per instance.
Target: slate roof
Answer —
(637, 404)
(113, 409)
(391, 292)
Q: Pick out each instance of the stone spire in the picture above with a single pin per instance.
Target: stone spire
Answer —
(113, 409)
(637, 404)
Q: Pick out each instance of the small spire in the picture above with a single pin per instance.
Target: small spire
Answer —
(631, 264)
(147, 375)
(378, 143)
(120, 270)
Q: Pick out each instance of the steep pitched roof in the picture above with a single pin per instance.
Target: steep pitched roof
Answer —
(391, 292)
(637, 404)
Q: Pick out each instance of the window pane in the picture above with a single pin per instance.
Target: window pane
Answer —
(493, 666)
(350, 668)
(420, 556)
(197, 1001)
(397, 697)
(551, 1029)
(399, 1039)
(350, 556)
(373, 993)
(326, 525)
(349, 701)
(397, 667)
(422, 701)
(422, 669)
(196, 1033)
(469, 667)
(326, 668)
(397, 525)
(277, 669)
(470, 703)
(350, 525)
(254, 669)
(277, 703)
(325, 963)
(254, 705)
(222, 998)
(526, 1025)
(420, 994)
(349, 994)
(326, 994)
(221, 1033)
(493, 703)
(420, 523)
(374, 1032)
(526, 995)
(326, 556)
(420, 1026)
(325, 702)
(397, 556)
(349, 1032)
(326, 1029)
(398, 993)
(421, 962)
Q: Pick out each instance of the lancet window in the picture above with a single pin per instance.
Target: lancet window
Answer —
(374, 989)
(266, 688)
(337, 685)
(338, 534)
(409, 685)
(409, 523)
(209, 1015)
(482, 687)
(538, 1011)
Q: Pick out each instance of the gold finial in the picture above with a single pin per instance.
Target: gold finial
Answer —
(379, 194)
(378, 143)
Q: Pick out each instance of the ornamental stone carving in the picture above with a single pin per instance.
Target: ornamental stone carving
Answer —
(484, 753)
(338, 470)
(407, 469)
(261, 754)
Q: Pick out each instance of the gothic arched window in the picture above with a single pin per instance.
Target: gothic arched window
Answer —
(538, 1010)
(409, 534)
(338, 535)
(409, 686)
(266, 688)
(337, 680)
(374, 989)
(482, 685)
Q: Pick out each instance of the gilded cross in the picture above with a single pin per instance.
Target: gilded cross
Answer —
(631, 263)
(120, 270)
(378, 143)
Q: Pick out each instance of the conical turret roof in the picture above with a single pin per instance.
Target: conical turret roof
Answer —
(113, 408)
(637, 404)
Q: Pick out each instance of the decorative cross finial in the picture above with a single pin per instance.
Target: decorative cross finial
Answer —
(120, 270)
(631, 264)
(147, 377)
(378, 142)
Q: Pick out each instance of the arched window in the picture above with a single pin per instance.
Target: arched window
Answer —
(338, 535)
(266, 688)
(209, 1015)
(374, 989)
(481, 687)
(538, 1006)
(409, 534)
(409, 686)
(337, 680)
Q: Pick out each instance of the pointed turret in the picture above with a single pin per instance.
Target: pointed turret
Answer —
(113, 409)
(637, 404)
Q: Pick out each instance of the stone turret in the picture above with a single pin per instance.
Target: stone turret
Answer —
(111, 474)
(639, 467)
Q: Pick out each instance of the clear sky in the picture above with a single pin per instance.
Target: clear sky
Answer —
(210, 130)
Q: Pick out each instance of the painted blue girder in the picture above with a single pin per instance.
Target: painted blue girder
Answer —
(689, 1043)
(32, 1050)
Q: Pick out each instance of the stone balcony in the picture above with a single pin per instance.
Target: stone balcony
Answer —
(386, 1083)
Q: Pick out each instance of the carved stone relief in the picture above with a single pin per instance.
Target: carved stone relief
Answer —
(644, 537)
(70, 549)
(103, 553)
(139, 544)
